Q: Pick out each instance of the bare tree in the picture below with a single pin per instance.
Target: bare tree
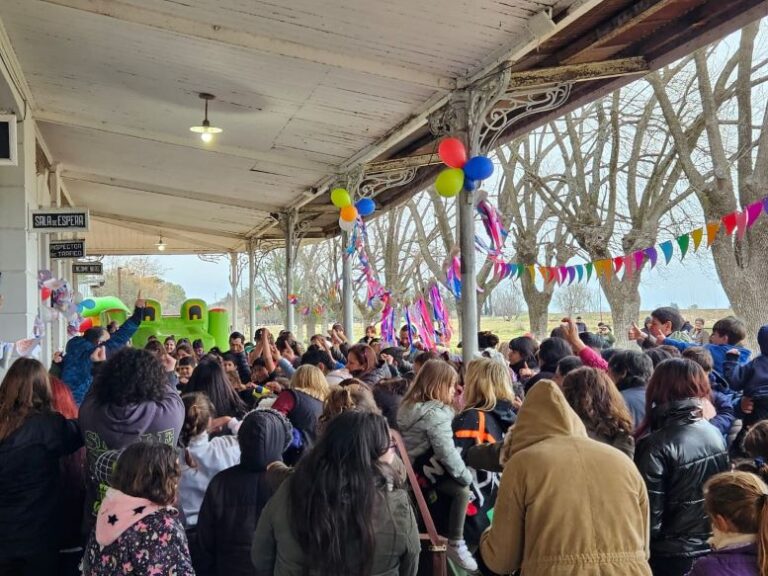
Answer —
(575, 299)
(721, 140)
(508, 301)
(238, 263)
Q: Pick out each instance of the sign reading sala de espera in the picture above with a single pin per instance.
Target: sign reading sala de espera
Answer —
(60, 220)
(67, 249)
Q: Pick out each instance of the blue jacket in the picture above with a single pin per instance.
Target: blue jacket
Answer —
(752, 378)
(77, 366)
(718, 352)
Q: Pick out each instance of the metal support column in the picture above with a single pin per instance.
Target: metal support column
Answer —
(251, 289)
(290, 257)
(234, 257)
(468, 306)
(347, 290)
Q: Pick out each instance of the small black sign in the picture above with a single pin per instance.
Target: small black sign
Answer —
(87, 268)
(60, 220)
(68, 249)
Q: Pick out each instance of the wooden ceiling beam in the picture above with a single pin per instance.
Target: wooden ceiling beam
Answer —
(210, 31)
(108, 181)
(160, 227)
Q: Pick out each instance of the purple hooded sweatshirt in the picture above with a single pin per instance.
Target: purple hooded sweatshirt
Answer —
(113, 427)
(737, 561)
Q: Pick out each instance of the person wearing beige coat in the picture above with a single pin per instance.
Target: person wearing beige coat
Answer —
(567, 504)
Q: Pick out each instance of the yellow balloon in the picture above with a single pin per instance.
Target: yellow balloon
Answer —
(449, 182)
(340, 197)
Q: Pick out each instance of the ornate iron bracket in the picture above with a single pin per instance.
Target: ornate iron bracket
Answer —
(485, 110)
(374, 184)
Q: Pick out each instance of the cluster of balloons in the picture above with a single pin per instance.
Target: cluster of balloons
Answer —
(462, 173)
(349, 212)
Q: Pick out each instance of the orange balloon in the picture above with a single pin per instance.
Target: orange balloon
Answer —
(349, 213)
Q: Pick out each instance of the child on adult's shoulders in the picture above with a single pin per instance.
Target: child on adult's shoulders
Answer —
(751, 379)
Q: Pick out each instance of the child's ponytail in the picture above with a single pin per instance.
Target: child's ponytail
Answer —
(762, 537)
(198, 411)
(742, 499)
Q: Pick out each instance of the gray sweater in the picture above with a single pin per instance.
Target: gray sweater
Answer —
(427, 425)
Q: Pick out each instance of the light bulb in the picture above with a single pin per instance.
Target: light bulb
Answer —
(161, 247)
(206, 137)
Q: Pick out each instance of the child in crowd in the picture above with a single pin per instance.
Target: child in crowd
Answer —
(727, 335)
(204, 457)
(752, 380)
(666, 322)
(137, 531)
(720, 411)
(425, 419)
(184, 368)
(737, 505)
(230, 367)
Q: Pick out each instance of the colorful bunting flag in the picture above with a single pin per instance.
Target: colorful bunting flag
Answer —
(589, 266)
(618, 262)
(754, 210)
(683, 242)
(712, 229)
(579, 271)
(668, 250)
(730, 221)
(742, 218)
(639, 258)
(653, 256)
(571, 274)
(697, 236)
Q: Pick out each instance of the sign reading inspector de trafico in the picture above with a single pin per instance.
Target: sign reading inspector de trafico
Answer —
(67, 249)
(60, 220)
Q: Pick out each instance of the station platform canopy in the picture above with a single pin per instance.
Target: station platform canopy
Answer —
(307, 92)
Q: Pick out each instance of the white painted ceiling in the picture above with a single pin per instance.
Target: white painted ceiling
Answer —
(302, 86)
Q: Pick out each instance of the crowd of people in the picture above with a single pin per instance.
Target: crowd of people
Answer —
(560, 456)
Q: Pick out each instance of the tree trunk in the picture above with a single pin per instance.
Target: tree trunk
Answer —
(538, 306)
(624, 299)
(743, 271)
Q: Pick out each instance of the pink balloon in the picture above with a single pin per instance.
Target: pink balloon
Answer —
(452, 152)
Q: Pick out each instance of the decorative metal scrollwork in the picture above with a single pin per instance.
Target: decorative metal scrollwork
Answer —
(514, 105)
(374, 184)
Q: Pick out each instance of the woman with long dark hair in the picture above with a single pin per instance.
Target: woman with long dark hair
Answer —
(363, 365)
(677, 451)
(210, 378)
(340, 512)
(599, 404)
(522, 357)
(32, 439)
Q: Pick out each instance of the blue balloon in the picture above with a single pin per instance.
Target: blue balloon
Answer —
(478, 168)
(80, 308)
(365, 206)
(90, 304)
(469, 185)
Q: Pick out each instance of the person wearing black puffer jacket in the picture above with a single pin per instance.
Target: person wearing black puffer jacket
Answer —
(488, 414)
(235, 497)
(677, 452)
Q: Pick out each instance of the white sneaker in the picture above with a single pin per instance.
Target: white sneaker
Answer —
(460, 554)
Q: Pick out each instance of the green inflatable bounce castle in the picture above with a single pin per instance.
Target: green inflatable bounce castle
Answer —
(194, 322)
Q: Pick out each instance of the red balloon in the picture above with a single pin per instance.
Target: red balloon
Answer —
(452, 152)
(86, 324)
(45, 293)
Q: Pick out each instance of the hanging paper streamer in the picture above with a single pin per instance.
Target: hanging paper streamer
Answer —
(491, 220)
(388, 321)
(440, 313)
(425, 327)
(453, 274)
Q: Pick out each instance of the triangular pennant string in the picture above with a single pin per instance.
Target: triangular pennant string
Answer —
(683, 242)
(639, 258)
(668, 250)
(730, 221)
(618, 263)
(653, 256)
(754, 210)
(571, 274)
(741, 224)
(589, 266)
(544, 273)
(697, 236)
(712, 229)
(580, 271)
